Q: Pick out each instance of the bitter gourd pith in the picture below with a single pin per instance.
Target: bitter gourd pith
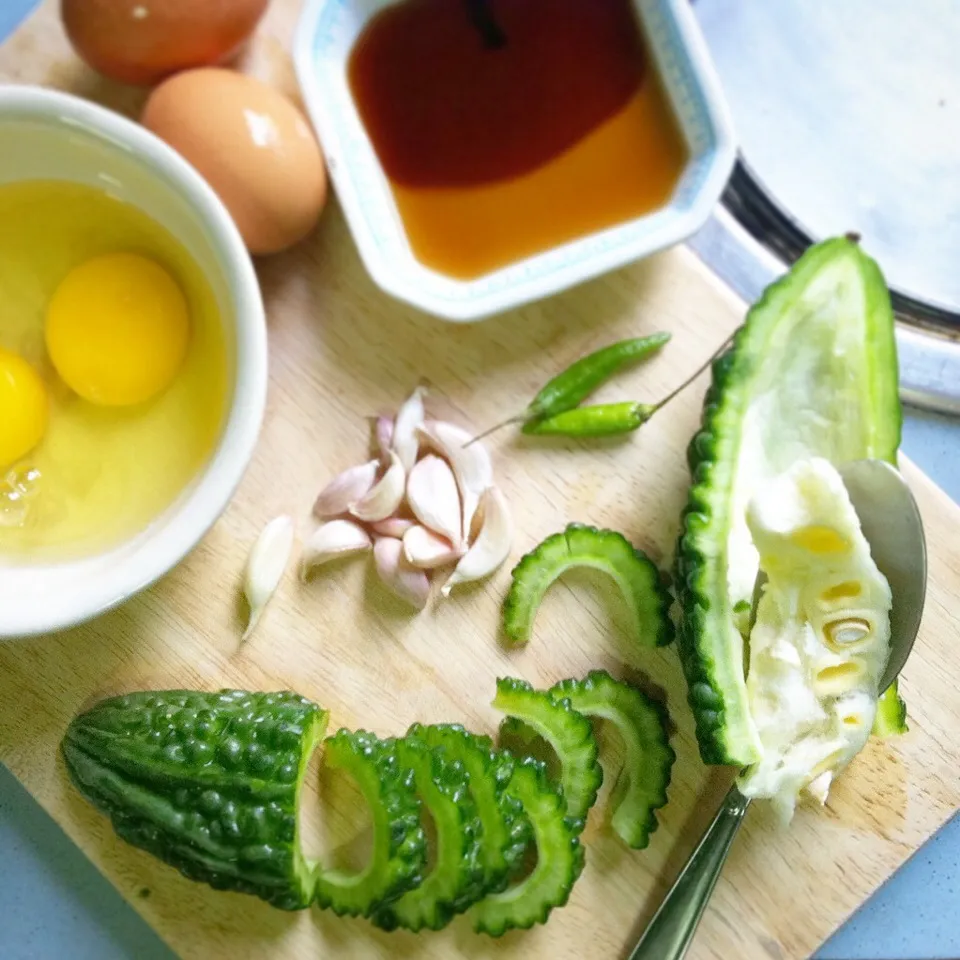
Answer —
(813, 372)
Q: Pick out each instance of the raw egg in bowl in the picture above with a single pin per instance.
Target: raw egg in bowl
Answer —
(133, 359)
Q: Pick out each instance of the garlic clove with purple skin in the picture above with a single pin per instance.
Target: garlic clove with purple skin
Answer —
(344, 489)
(492, 545)
(383, 437)
(406, 439)
(434, 499)
(392, 527)
(397, 575)
(470, 463)
(338, 538)
(383, 499)
(427, 550)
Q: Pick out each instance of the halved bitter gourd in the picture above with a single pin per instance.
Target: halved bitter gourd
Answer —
(207, 782)
(505, 830)
(641, 787)
(535, 712)
(812, 372)
(399, 849)
(454, 882)
(559, 857)
(606, 550)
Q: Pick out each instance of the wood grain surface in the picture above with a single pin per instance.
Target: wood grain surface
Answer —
(341, 351)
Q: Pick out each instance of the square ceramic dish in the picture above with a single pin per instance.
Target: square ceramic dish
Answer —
(325, 36)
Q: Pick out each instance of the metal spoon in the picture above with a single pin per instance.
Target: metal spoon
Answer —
(891, 523)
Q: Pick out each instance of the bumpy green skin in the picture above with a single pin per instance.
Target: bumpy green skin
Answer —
(641, 788)
(559, 858)
(505, 831)
(399, 850)
(568, 732)
(581, 546)
(708, 619)
(207, 782)
(455, 881)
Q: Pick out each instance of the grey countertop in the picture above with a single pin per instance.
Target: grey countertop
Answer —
(55, 904)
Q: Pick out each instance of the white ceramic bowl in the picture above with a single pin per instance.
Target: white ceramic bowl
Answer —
(50, 135)
(325, 35)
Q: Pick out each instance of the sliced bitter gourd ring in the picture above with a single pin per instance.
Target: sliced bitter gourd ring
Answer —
(455, 881)
(398, 858)
(641, 788)
(568, 732)
(559, 858)
(505, 831)
(813, 372)
(581, 546)
(207, 782)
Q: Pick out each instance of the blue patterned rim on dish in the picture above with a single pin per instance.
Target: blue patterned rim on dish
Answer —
(325, 35)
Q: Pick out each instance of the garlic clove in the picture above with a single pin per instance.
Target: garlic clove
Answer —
(265, 565)
(346, 488)
(383, 437)
(492, 545)
(397, 575)
(427, 550)
(434, 499)
(471, 464)
(384, 497)
(338, 538)
(393, 527)
(406, 439)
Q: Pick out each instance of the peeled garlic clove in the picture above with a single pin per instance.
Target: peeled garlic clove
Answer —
(492, 545)
(433, 498)
(427, 550)
(338, 538)
(471, 464)
(398, 576)
(393, 527)
(384, 497)
(265, 565)
(347, 488)
(383, 437)
(406, 440)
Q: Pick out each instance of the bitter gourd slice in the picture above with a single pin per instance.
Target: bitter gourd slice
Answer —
(641, 788)
(606, 550)
(207, 782)
(455, 881)
(399, 850)
(559, 857)
(812, 372)
(505, 831)
(568, 732)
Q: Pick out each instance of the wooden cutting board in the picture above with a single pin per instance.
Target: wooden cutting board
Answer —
(341, 351)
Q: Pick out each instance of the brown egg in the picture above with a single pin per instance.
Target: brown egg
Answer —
(142, 41)
(254, 147)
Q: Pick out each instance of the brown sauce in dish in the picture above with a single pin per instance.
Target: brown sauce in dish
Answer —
(507, 127)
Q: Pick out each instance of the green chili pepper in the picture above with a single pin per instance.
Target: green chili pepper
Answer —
(599, 420)
(579, 380)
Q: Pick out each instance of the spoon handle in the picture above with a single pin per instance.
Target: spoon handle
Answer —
(674, 924)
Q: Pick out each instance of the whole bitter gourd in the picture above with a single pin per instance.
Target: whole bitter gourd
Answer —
(207, 782)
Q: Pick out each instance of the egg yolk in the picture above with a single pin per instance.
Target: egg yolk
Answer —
(117, 329)
(23, 408)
